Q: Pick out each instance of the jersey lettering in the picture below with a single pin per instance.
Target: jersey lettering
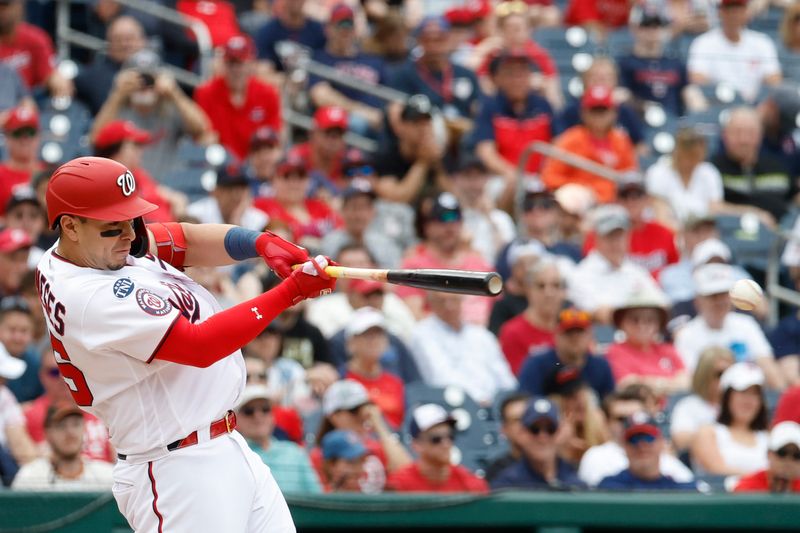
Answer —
(73, 377)
(184, 300)
(54, 310)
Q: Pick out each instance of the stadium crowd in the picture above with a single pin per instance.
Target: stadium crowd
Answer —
(613, 360)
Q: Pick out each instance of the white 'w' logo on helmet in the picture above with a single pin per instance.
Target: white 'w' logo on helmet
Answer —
(126, 183)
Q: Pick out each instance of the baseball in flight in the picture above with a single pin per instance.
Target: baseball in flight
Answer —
(746, 294)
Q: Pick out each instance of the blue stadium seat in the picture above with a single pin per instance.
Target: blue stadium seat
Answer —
(619, 43)
(311, 422)
(750, 246)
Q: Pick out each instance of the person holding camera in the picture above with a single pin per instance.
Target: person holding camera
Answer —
(148, 96)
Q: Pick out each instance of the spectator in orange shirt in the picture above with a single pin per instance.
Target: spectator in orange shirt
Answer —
(783, 463)
(433, 431)
(595, 139)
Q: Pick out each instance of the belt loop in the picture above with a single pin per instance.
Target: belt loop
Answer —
(230, 421)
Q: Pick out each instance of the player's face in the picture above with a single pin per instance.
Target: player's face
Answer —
(104, 245)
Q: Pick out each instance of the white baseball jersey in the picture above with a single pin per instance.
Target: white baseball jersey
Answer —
(106, 326)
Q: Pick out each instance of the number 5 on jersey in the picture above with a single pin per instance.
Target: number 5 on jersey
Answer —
(72, 375)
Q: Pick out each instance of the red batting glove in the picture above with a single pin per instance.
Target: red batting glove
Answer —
(310, 280)
(280, 254)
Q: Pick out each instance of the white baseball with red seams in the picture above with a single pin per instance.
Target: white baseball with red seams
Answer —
(746, 294)
(105, 326)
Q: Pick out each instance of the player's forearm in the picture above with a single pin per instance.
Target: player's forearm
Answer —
(201, 345)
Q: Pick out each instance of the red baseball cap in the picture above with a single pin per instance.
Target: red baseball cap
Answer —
(14, 239)
(239, 48)
(264, 136)
(21, 117)
(366, 286)
(292, 162)
(341, 12)
(327, 118)
(118, 131)
(597, 96)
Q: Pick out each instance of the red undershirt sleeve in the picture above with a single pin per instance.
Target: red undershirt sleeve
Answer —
(201, 345)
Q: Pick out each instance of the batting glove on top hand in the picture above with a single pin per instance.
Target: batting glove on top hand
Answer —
(310, 280)
(280, 254)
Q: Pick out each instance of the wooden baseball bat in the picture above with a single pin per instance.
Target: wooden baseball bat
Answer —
(453, 281)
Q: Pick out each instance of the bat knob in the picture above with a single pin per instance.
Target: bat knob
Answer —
(494, 284)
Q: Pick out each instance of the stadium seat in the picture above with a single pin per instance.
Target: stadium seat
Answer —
(749, 240)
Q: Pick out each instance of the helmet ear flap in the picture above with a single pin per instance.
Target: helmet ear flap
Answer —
(141, 243)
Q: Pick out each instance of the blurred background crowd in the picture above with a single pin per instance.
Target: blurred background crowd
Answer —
(621, 163)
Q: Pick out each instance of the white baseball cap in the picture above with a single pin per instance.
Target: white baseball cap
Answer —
(428, 415)
(708, 250)
(363, 319)
(787, 432)
(518, 250)
(741, 376)
(344, 395)
(254, 392)
(713, 278)
(10, 366)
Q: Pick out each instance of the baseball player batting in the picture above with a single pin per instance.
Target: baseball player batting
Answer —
(153, 355)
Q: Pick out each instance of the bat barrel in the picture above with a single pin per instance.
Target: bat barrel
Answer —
(453, 281)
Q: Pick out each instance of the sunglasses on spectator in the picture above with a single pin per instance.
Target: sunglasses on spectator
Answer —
(334, 132)
(574, 315)
(256, 375)
(638, 438)
(24, 132)
(783, 453)
(539, 203)
(354, 410)
(358, 171)
(515, 7)
(536, 429)
(599, 109)
(438, 439)
(250, 410)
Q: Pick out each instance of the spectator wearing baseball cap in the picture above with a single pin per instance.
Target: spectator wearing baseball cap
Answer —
(359, 211)
(346, 406)
(783, 463)
(606, 277)
(732, 54)
(718, 325)
(511, 119)
(21, 130)
(231, 191)
(367, 341)
(287, 461)
(124, 142)
(644, 445)
(737, 443)
(289, 23)
(344, 457)
(236, 102)
(308, 219)
(433, 431)
(343, 53)
(15, 246)
(262, 159)
(573, 339)
(24, 212)
(440, 224)
(324, 150)
(540, 467)
(65, 469)
(452, 88)
(596, 139)
(652, 245)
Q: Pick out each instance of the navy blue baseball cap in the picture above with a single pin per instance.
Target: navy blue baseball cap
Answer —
(432, 23)
(445, 208)
(341, 444)
(539, 408)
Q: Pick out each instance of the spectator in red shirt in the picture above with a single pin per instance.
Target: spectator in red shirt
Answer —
(30, 51)
(443, 247)
(788, 407)
(433, 431)
(308, 219)
(651, 244)
(262, 159)
(643, 357)
(600, 16)
(22, 143)
(783, 463)
(534, 329)
(95, 435)
(236, 102)
(324, 151)
(366, 341)
(123, 142)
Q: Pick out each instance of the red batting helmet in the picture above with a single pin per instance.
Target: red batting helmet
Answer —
(101, 189)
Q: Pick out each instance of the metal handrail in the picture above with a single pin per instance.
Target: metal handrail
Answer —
(778, 292)
(66, 35)
(331, 74)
